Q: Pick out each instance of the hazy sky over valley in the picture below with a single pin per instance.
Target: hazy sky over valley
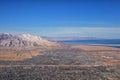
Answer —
(83, 18)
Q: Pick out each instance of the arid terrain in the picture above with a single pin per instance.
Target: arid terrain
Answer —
(23, 59)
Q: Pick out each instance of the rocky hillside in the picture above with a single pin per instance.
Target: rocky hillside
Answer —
(23, 41)
(23, 46)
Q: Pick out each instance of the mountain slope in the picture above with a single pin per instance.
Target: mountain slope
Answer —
(23, 46)
(24, 41)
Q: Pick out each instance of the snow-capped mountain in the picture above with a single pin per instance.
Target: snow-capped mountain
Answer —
(22, 40)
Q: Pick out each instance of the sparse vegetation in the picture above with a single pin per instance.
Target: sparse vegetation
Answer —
(62, 64)
(60, 73)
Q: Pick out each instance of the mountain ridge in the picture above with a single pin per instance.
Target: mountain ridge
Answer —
(23, 40)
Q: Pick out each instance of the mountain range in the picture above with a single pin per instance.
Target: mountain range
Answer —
(70, 38)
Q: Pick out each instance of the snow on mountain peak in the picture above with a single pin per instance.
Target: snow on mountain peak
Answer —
(29, 37)
(22, 40)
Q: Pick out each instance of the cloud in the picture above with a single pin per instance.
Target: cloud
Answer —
(103, 32)
(100, 32)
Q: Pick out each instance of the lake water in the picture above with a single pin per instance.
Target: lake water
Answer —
(102, 41)
(105, 41)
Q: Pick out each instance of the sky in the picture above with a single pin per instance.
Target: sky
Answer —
(79, 18)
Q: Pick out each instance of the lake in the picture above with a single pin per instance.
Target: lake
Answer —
(98, 42)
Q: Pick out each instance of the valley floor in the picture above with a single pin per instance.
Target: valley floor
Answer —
(76, 62)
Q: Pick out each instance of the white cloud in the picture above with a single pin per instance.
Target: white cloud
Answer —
(103, 32)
